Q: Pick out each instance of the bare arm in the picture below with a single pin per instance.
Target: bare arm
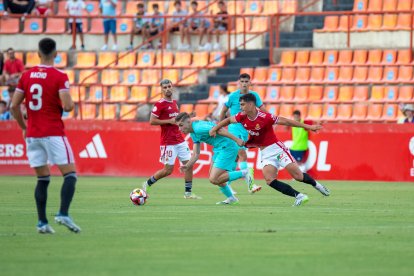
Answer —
(154, 121)
(223, 113)
(17, 99)
(225, 133)
(221, 124)
(67, 102)
(193, 159)
(288, 122)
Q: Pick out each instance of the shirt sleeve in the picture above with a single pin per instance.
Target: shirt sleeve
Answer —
(20, 66)
(308, 122)
(259, 102)
(195, 139)
(64, 83)
(228, 102)
(273, 118)
(156, 110)
(238, 117)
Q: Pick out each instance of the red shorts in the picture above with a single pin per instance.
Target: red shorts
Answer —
(42, 10)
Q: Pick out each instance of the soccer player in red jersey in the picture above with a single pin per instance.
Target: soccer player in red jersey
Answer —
(46, 93)
(172, 143)
(274, 153)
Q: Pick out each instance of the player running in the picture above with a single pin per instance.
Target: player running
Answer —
(172, 142)
(237, 129)
(274, 153)
(46, 93)
(224, 154)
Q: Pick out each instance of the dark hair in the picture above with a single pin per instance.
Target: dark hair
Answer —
(244, 76)
(182, 116)
(10, 49)
(220, 3)
(140, 5)
(155, 5)
(177, 2)
(296, 112)
(47, 46)
(223, 86)
(3, 102)
(194, 3)
(249, 97)
(11, 89)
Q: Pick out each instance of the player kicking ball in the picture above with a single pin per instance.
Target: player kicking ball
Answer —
(224, 157)
(274, 153)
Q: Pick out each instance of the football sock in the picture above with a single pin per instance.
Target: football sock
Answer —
(308, 179)
(188, 186)
(66, 194)
(41, 197)
(235, 175)
(243, 165)
(226, 191)
(151, 180)
(283, 188)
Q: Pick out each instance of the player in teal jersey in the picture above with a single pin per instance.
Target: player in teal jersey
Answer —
(233, 106)
(225, 153)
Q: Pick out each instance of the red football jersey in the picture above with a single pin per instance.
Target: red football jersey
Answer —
(164, 110)
(260, 129)
(41, 86)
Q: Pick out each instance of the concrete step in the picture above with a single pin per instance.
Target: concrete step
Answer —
(247, 62)
(257, 53)
(219, 79)
(228, 71)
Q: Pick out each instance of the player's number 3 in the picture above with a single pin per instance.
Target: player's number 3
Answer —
(36, 102)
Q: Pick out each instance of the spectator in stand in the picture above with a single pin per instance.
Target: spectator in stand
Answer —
(197, 25)
(24, 7)
(2, 81)
(140, 27)
(43, 7)
(179, 25)
(222, 99)
(4, 114)
(408, 111)
(108, 8)
(156, 24)
(220, 26)
(13, 68)
(75, 8)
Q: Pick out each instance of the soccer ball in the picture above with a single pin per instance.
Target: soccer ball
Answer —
(138, 197)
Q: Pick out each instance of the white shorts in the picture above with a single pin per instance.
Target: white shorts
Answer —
(55, 149)
(170, 152)
(276, 155)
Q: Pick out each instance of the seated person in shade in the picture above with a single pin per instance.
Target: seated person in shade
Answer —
(197, 25)
(408, 111)
(179, 25)
(140, 27)
(156, 24)
(24, 7)
(43, 7)
(219, 27)
(13, 68)
(4, 114)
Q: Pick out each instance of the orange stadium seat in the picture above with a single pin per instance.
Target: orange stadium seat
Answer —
(389, 21)
(217, 59)
(286, 110)
(403, 21)
(9, 25)
(130, 77)
(317, 74)
(201, 110)
(272, 94)
(345, 73)
(390, 93)
(260, 74)
(211, 108)
(374, 22)
(247, 70)
(345, 93)
(182, 59)
(131, 7)
(360, 57)
(71, 75)
(33, 26)
(167, 59)
(329, 112)
(61, 60)
(171, 74)
(405, 73)
(126, 61)
(88, 76)
(330, 94)
(150, 77)
(344, 112)
(109, 77)
(270, 7)
(377, 93)
(360, 5)
(301, 93)
(85, 60)
(374, 111)
(302, 57)
(118, 93)
(288, 74)
(315, 93)
(261, 90)
(404, 56)
(75, 91)
(106, 58)
(345, 23)
(259, 25)
(88, 111)
(314, 112)
(200, 59)
(128, 112)
(390, 73)
(316, 57)
(146, 59)
(330, 24)
(92, 7)
(331, 74)
(242, 25)
(188, 77)
(98, 93)
(303, 109)
(124, 25)
(374, 57)
(390, 112)
(107, 112)
(96, 26)
(389, 56)
(375, 73)
(68, 115)
(331, 57)
(405, 93)
(61, 8)
(288, 6)
(155, 94)
(360, 93)
(186, 108)
(254, 7)
(359, 112)
(32, 59)
(274, 75)
(235, 8)
(213, 94)
(55, 26)
(360, 23)
(345, 57)
(360, 74)
(273, 109)
(287, 58)
(390, 5)
(139, 94)
(404, 5)
(287, 93)
(303, 74)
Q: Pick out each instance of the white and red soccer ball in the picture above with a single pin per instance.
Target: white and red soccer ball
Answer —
(138, 197)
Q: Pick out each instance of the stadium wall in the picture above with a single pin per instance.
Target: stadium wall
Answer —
(340, 152)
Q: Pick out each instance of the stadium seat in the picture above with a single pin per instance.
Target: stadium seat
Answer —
(259, 25)
(403, 21)
(404, 5)
(146, 59)
(55, 26)
(302, 108)
(390, 93)
(390, 73)
(405, 73)
(345, 57)
(287, 58)
(211, 108)
(330, 94)
(302, 74)
(109, 77)
(329, 112)
(213, 95)
(188, 77)
(165, 60)
(360, 93)
(374, 57)
(9, 25)
(377, 93)
(345, 23)
(390, 5)
(106, 58)
(390, 112)
(274, 75)
(254, 7)
(131, 7)
(261, 90)
(32, 59)
(302, 58)
(375, 5)
(374, 112)
(345, 93)
(150, 77)
(389, 57)
(68, 115)
(124, 25)
(131, 77)
(182, 59)
(235, 7)
(88, 111)
(374, 22)
(286, 110)
(242, 24)
(171, 74)
(404, 56)
(315, 58)
(375, 73)
(128, 112)
(126, 60)
(61, 8)
(405, 93)
(217, 59)
(345, 74)
(287, 93)
(139, 94)
(75, 91)
(288, 6)
(389, 22)
(360, 23)
(96, 26)
(344, 112)
(288, 74)
(85, 60)
(330, 24)
(107, 112)
(247, 70)
(359, 112)
(315, 93)
(272, 94)
(200, 59)
(331, 74)
(119, 93)
(360, 5)
(186, 108)
(317, 74)
(360, 57)
(61, 60)
(97, 94)
(360, 74)
(270, 6)
(314, 112)
(88, 76)
(201, 111)
(92, 7)
(260, 75)
(273, 109)
(71, 75)
(33, 26)
(301, 93)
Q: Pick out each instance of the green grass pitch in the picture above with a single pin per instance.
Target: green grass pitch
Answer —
(363, 228)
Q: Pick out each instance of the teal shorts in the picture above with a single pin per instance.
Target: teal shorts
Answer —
(225, 159)
(240, 132)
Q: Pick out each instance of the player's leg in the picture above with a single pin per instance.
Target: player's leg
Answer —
(183, 153)
(298, 175)
(220, 177)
